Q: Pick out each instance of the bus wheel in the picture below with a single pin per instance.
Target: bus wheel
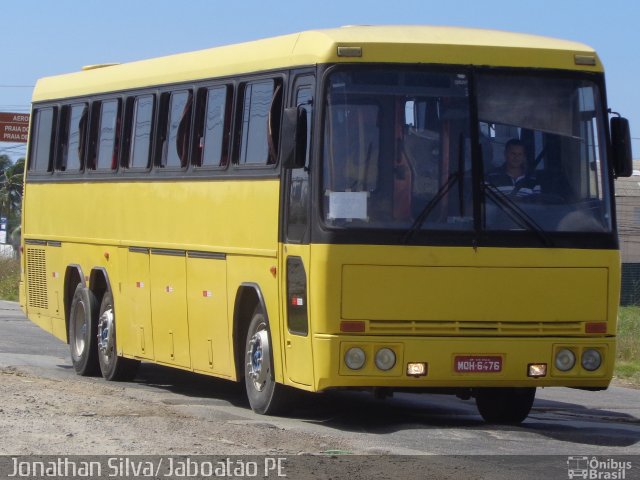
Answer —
(82, 332)
(509, 406)
(265, 395)
(112, 366)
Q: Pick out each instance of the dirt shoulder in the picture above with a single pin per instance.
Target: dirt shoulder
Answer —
(89, 417)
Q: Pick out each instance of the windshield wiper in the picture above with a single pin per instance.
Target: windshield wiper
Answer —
(516, 213)
(431, 204)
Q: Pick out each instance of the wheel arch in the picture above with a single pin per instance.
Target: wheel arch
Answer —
(248, 297)
(72, 277)
(99, 283)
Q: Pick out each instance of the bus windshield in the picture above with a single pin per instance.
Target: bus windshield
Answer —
(398, 152)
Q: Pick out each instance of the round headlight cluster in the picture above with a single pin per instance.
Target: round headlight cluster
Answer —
(591, 360)
(355, 358)
(565, 360)
(385, 359)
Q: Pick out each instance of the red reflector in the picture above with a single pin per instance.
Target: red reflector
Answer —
(600, 327)
(357, 326)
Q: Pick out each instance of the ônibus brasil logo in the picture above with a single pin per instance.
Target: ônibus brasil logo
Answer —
(594, 468)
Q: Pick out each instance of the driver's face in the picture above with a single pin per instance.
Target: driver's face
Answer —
(515, 156)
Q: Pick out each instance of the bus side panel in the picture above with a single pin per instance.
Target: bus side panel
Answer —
(135, 334)
(169, 309)
(209, 328)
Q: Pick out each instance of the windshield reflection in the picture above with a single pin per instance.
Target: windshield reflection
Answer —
(542, 147)
(397, 153)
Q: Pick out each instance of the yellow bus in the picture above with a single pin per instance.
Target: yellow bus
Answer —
(410, 208)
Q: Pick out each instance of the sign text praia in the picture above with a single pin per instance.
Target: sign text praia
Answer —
(14, 127)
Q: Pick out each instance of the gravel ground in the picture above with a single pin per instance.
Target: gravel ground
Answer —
(54, 417)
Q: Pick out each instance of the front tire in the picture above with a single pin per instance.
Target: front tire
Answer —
(507, 406)
(82, 332)
(112, 366)
(265, 395)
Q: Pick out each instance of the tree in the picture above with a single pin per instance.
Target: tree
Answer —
(11, 184)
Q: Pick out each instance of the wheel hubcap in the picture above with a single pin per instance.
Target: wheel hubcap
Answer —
(105, 334)
(258, 359)
(80, 330)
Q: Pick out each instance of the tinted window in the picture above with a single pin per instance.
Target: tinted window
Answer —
(396, 150)
(141, 134)
(213, 143)
(107, 135)
(298, 211)
(73, 147)
(43, 128)
(255, 146)
(178, 130)
(544, 151)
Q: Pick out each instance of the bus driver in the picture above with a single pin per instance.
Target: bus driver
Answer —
(512, 177)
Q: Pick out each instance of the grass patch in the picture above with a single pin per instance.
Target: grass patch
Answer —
(628, 355)
(9, 278)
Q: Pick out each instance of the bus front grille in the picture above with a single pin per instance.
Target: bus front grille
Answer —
(474, 328)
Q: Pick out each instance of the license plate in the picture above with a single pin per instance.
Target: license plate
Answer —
(477, 364)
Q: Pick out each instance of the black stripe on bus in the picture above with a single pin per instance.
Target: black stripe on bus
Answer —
(138, 250)
(166, 251)
(210, 255)
(29, 241)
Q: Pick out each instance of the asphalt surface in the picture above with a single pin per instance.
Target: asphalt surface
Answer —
(563, 424)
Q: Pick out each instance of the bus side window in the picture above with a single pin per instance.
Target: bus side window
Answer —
(298, 202)
(140, 123)
(176, 126)
(72, 146)
(261, 112)
(107, 135)
(42, 142)
(213, 118)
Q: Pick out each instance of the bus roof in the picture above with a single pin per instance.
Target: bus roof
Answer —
(393, 44)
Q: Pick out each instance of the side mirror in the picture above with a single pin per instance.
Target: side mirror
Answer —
(294, 137)
(621, 147)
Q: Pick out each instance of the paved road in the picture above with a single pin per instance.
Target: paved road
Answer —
(563, 422)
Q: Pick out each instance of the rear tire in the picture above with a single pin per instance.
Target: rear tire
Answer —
(112, 366)
(82, 332)
(265, 396)
(506, 406)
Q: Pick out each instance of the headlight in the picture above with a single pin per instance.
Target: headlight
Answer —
(385, 359)
(355, 358)
(591, 360)
(565, 360)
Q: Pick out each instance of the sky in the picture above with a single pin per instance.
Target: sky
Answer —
(48, 37)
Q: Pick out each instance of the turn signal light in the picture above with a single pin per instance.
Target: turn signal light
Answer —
(352, 326)
(596, 327)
